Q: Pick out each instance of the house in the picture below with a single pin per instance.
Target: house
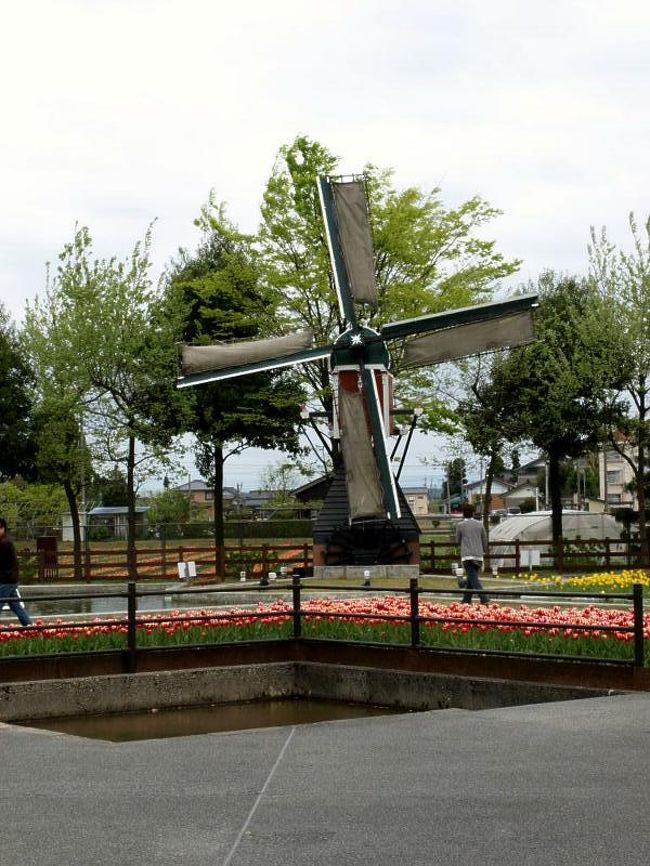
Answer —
(418, 499)
(475, 492)
(111, 521)
(615, 476)
(201, 497)
(523, 491)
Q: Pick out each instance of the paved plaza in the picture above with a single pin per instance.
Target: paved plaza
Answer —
(560, 783)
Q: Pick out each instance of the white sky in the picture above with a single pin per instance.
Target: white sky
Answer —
(119, 112)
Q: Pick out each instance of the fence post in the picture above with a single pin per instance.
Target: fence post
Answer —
(87, 560)
(608, 553)
(639, 649)
(432, 554)
(415, 611)
(517, 557)
(131, 639)
(560, 554)
(297, 618)
(163, 551)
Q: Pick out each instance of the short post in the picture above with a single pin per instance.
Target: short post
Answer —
(131, 640)
(517, 557)
(432, 554)
(639, 649)
(297, 618)
(415, 611)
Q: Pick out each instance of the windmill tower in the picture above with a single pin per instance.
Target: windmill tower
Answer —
(372, 523)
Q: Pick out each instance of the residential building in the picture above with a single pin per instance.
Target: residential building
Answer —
(201, 497)
(615, 479)
(418, 499)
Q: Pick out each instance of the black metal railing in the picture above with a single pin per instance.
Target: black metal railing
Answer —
(297, 614)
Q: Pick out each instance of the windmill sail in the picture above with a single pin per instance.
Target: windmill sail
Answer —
(365, 496)
(461, 341)
(197, 359)
(355, 239)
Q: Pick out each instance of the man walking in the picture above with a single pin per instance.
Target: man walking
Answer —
(470, 535)
(9, 574)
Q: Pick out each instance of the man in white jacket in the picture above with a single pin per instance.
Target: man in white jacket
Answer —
(471, 537)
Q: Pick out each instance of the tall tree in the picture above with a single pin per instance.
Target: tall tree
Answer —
(106, 345)
(219, 297)
(428, 258)
(622, 280)
(63, 458)
(484, 413)
(17, 445)
(560, 386)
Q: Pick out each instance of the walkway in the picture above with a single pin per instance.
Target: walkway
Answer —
(549, 784)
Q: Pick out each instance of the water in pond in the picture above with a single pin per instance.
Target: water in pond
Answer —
(112, 604)
(187, 721)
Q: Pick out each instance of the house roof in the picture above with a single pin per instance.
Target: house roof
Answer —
(194, 484)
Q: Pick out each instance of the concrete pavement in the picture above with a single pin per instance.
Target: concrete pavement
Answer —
(559, 783)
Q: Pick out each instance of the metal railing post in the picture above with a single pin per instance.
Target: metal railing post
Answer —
(297, 618)
(415, 611)
(639, 648)
(131, 638)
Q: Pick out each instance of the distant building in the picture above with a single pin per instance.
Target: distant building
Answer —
(201, 497)
(113, 518)
(418, 499)
(615, 478)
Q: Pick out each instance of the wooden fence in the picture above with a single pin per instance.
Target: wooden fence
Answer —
(253, 561)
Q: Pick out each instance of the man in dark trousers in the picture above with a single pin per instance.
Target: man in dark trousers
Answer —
(471, 537)
(9, 574)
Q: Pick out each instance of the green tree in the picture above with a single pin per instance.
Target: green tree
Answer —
(63, 458)
(32, 508)
(428, 258)
(113, 349)
(484, 413)
(560, 386)
(168, 506)
(622, 280)
(219, 297)
(17, 446)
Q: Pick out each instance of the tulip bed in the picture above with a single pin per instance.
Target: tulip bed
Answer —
(555, 629)
(601, 581)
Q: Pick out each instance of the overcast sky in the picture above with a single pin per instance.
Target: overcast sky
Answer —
(119, 112)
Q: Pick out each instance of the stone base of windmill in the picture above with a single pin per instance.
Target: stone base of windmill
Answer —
(362, 573)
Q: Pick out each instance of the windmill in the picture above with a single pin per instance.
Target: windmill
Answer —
(359, 357)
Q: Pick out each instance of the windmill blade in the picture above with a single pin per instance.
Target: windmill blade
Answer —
(347, 228)
(365, 495)
(462, 316)
(202, 364)
(461, 341)
(391, 502)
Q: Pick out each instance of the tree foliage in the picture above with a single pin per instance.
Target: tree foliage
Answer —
(428, 258)
(218, 295)
(104, 348)
(17, 445)
(560, 386)
(622, 281)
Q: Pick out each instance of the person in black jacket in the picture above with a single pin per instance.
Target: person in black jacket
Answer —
(9, 574)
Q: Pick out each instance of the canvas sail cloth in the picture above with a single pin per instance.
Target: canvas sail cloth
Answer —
(470, 339)
(198, 359)
(356, 240)
(365, 496)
